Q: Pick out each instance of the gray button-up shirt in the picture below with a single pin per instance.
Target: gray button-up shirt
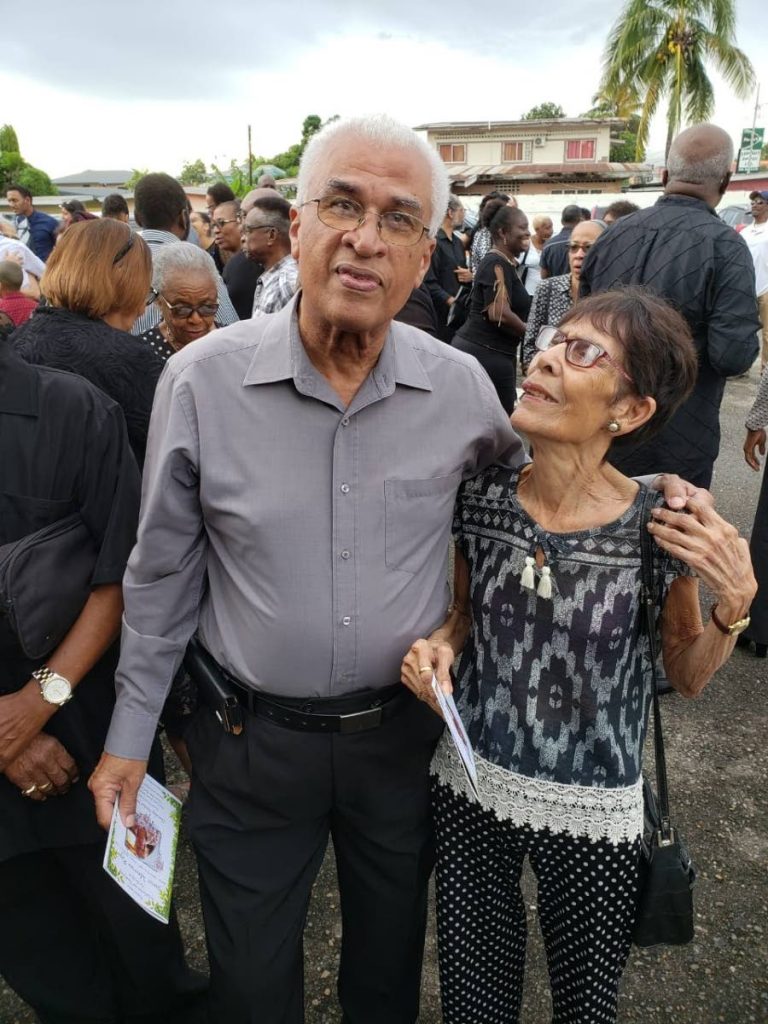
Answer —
(306, 541)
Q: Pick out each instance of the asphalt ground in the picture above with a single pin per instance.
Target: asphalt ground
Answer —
(718, 767)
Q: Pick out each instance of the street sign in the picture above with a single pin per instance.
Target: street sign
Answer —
(752, 140)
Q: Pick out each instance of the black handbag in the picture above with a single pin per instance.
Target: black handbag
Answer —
(458, 311)
(667, 875)
(45, 581)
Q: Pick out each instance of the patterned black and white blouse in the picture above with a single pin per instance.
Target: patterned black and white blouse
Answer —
(554, 690)
(551, 301)
(154, 338)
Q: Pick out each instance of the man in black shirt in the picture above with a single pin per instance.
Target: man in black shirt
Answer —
(448, 268)
(240, 274)
(680, 249)
(72, 944)
(554, 255)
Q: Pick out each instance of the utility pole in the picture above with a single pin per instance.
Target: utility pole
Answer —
(250, 159)
(754, 116)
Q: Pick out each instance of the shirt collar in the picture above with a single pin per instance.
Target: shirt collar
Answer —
(154, 236)
(275, 361)
(19, 384)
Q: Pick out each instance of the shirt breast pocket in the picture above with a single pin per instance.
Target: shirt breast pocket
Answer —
(417, 520)
(22, 514)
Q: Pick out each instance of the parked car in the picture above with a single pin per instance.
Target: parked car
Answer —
(738, 215)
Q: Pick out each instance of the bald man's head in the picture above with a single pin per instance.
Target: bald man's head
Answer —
(246, 203)
(700, 157)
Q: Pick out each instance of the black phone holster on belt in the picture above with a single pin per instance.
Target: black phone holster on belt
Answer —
(213, 687)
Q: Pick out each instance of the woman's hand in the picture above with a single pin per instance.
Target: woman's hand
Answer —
(22, 715)
(425, 659)
(755, 439)
(713, 548)
(43, 769)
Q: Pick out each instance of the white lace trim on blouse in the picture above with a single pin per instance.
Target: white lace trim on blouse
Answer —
(581, 811)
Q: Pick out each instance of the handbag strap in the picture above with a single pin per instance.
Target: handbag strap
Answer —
(648, 600)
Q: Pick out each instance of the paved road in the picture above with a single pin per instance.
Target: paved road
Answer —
(718, 760)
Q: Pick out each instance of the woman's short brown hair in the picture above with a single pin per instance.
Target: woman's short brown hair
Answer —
(658, 350)
(98, 267)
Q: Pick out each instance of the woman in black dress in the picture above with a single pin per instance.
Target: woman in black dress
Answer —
(96, 283)
(499, 308)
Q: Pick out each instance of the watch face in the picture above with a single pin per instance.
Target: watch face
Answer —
(57, 690)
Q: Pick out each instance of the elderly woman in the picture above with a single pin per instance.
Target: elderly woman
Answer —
(184, 284)
(499, 305)
(541, 234)
(201, 222)
(555, 295)
(554, 683)
(95, 284)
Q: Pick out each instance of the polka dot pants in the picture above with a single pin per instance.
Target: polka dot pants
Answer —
(586, 902)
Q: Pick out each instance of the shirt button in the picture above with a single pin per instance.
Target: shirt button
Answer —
(345, 554)
(345, 421)
(346, 621)
(345, 488)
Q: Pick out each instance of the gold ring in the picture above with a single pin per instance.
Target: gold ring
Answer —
(30, 790)
(46, 787)
(425, 668)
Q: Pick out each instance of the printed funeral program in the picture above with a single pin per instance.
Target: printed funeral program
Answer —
(141, 858)
(458, 733)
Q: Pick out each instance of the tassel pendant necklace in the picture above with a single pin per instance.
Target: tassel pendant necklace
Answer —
(528, 577)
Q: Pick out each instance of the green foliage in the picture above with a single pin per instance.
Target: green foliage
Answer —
(194, 173)
(14, 169)
(9, 140)
(135, 175)
(764, 152)
(544, 112)
(663, 48)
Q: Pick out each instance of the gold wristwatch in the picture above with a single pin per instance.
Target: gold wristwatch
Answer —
(735, 627)
(54, 689)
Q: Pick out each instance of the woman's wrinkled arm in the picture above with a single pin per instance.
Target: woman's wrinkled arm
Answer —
(712, 547)
(437, 653)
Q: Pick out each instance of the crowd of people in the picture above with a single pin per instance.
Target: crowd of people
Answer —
(275, 418)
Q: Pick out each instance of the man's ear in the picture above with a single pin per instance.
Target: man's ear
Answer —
(293, 231)
(722, 187)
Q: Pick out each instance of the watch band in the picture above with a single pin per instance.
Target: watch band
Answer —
(732, 629)
(43, 674)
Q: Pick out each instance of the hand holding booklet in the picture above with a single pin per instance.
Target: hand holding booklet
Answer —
(141, 858)
(458, 733)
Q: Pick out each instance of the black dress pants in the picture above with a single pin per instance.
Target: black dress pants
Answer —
(261, 808)
(501, 367)
(79, 951)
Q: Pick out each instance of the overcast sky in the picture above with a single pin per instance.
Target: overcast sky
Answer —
(163, 82)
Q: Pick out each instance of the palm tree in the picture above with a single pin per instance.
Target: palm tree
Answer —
(661, 48)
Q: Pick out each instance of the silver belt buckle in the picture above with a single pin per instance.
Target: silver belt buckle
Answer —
(360, 721)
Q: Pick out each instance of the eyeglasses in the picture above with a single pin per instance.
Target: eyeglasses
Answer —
(183, 312)
(344, 214)
(257, 227)
(578, 351)
(220, 223)
(584, 246)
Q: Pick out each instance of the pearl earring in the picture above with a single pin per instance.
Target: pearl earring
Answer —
(614, 426)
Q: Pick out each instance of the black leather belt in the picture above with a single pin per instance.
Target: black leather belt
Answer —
(357, 713)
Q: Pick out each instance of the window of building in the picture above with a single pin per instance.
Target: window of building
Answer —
(512, 152)
(580, 149)
(453, 154)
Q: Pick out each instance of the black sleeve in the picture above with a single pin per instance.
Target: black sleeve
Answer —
(484, 285)
(108, 492)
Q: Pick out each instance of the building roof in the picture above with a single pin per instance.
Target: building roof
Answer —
(487, 126)
(106, 178)
(595, 170)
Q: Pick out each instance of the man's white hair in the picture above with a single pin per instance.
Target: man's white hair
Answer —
(382, 132)
(180, 257)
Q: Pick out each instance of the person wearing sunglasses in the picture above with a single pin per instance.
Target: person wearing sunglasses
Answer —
(184, 290)
(554, 296)
(554, 683)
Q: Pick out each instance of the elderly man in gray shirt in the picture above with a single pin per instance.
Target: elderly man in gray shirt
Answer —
(298, 491)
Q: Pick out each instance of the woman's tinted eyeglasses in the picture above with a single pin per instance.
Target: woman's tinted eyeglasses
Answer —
(578, 351)
(182, 311)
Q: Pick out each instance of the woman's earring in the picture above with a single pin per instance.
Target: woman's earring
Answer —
(614, 426)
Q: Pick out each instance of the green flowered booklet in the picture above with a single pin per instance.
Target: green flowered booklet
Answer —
(141, 859)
